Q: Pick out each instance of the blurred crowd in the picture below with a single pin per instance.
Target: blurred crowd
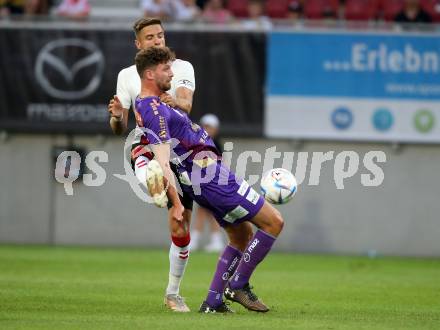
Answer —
(251, 13)
(73, 9)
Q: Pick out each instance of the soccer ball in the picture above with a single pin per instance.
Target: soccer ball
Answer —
(278, 186)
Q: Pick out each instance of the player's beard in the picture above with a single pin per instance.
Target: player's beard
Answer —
(164, 86)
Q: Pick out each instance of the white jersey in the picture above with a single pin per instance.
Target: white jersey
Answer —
(129, 84)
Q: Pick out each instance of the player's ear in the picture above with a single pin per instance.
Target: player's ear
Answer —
(137, 43)
(149, 74)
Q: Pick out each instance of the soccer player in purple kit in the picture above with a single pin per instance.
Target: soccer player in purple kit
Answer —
(234, 204)
(148, 33)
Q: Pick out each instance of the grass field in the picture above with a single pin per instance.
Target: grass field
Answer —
(91, 288)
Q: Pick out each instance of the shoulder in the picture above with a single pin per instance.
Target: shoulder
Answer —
(128, 73)
(151, 104)
(182, 65)
(183, 74)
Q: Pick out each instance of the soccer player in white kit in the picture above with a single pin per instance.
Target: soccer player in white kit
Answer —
(149, 32)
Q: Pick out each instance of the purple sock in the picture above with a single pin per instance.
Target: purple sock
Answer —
(255, 252)
(226, 266)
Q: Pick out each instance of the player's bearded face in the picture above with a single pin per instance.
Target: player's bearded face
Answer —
(163, 76)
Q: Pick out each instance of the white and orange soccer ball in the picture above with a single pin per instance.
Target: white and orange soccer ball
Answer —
(278, 186)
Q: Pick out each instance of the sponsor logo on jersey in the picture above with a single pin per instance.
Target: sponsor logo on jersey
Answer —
(243, 188)
(163, 134)
(154, 104)
(195, 127)
(204, 162)
(162, 127)
(252, 196)
(237, 213)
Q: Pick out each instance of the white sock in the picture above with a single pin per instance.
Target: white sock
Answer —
(178, 260)
(140, 169)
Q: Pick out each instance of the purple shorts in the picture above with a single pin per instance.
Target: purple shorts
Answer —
(229, 199)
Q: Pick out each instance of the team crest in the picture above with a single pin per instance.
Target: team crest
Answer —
(163, 134)
(195, 127)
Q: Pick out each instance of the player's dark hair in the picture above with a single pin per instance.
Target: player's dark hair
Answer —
(151, 57)
(145, 21)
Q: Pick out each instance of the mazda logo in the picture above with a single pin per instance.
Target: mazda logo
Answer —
(68, 87)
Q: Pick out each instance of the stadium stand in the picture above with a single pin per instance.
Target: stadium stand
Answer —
(350, 10)
(239, 8)
(390, 8)
(433, 8)
(318, 9)
(277, 8)
(115, 8)
(361, 10)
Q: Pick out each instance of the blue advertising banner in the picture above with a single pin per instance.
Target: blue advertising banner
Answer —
(353, 86)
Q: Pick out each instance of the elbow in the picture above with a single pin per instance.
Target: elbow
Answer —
(184, 106)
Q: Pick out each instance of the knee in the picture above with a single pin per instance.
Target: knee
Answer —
(278, 222)
(181, 228)
(179, 232)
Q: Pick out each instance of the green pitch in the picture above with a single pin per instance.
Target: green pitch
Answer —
(88, 288)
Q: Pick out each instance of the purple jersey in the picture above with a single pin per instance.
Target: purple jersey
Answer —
(164, 123)
(231, 200)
